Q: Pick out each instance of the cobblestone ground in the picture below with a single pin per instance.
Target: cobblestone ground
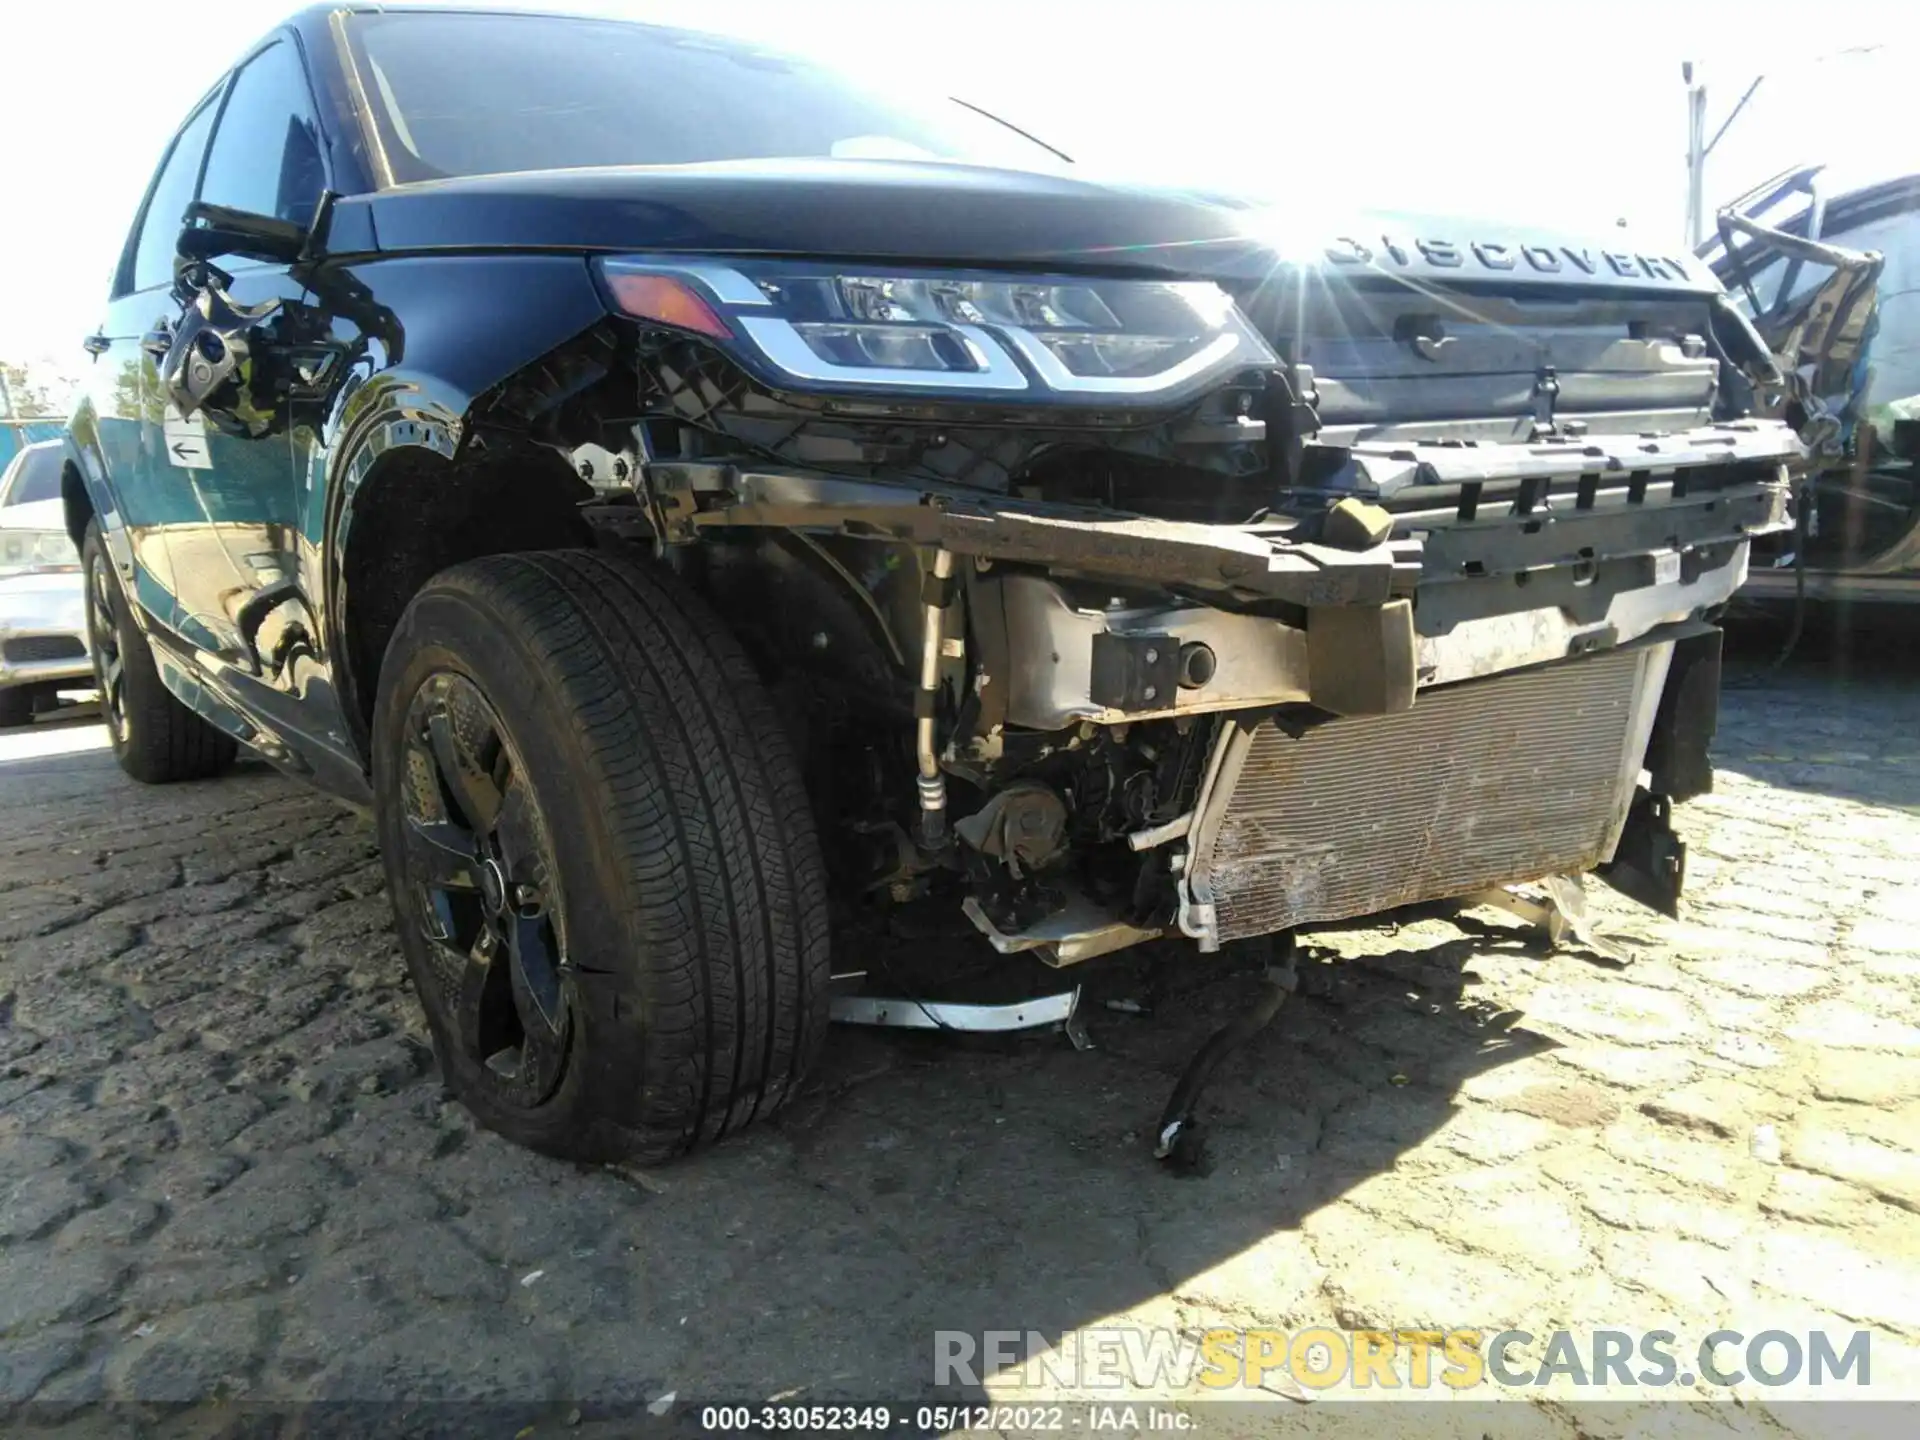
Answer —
(227, 1169)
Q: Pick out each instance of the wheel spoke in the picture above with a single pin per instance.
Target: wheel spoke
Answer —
(100, 614)
(536, 973)
(102, 599)
(483, 1002)
(541, 1008)
(111, 674)
(441, 853)
(466, 783)
(518, 835)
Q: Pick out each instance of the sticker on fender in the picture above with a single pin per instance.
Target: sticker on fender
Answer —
(186, 440)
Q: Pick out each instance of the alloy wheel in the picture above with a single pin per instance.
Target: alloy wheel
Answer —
(479, 858)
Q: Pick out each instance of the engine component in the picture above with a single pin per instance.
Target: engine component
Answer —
(1023, 825)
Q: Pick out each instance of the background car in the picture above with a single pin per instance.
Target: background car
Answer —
(43, 627)
(17, 434)
(1855, 337)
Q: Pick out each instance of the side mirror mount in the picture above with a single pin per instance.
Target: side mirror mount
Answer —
(211, 232)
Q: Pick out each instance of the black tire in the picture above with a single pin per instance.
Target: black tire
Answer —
(156, 739)
(16, 706)
(638, 849)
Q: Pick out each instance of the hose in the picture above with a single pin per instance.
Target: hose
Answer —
(931, 782)
(1177, 1140)
(1797, 625)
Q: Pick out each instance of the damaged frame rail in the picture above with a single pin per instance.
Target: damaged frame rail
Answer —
(1614, 535)
(1559, 573)
(1262, 561)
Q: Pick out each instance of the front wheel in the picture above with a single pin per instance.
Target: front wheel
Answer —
(155, 738)
(602, 864)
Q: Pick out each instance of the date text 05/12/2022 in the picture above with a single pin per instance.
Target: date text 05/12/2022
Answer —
(1040, 1418)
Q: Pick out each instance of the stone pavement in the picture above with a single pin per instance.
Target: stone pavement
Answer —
(228, 1171)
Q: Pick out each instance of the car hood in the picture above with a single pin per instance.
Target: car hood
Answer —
(33, 515)
(940, 213)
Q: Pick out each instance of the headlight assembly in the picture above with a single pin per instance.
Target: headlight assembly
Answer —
(26, 551)
(960, 333)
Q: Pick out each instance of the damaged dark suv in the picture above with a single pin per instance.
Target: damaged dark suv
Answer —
(691, 498)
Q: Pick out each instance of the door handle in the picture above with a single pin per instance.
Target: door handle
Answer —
(96, 344)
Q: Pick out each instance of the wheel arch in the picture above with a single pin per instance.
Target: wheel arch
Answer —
(414, 510)
(76, 504)
(83, 495)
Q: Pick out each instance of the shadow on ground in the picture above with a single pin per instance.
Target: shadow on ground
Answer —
(949, 1183)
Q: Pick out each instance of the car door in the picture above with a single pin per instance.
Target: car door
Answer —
(118, 420)
(227, 470)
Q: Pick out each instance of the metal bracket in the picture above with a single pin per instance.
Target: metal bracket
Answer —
(1134, 672)
(1078, 930)
(905, 1014)
(1560, 917)
(1650, 862)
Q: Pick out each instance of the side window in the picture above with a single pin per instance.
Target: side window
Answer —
(1894, 372)
(266, 154)
(167, 205)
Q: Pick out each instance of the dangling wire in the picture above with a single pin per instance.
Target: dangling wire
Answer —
(1801, 530)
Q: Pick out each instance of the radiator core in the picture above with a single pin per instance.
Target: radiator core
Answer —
(1486, 783)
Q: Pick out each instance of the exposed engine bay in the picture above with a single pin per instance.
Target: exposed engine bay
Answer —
(1416, 603)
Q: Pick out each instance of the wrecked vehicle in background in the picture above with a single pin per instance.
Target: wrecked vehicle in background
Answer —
(686, 519)
(1826, 265)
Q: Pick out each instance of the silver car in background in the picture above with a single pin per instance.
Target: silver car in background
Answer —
(43, 627)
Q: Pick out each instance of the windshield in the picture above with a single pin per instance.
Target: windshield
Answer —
(35, 476)
(480, 94)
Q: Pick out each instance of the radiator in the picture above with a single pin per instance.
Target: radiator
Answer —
(1479, 784)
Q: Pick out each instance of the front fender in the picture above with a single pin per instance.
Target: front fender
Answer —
(428, 335)
(419, 340)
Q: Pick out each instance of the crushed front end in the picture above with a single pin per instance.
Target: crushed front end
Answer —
(1118, 606)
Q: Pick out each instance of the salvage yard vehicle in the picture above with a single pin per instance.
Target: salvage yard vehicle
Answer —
(1825, 263)
(42, 619)
(690, 497)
